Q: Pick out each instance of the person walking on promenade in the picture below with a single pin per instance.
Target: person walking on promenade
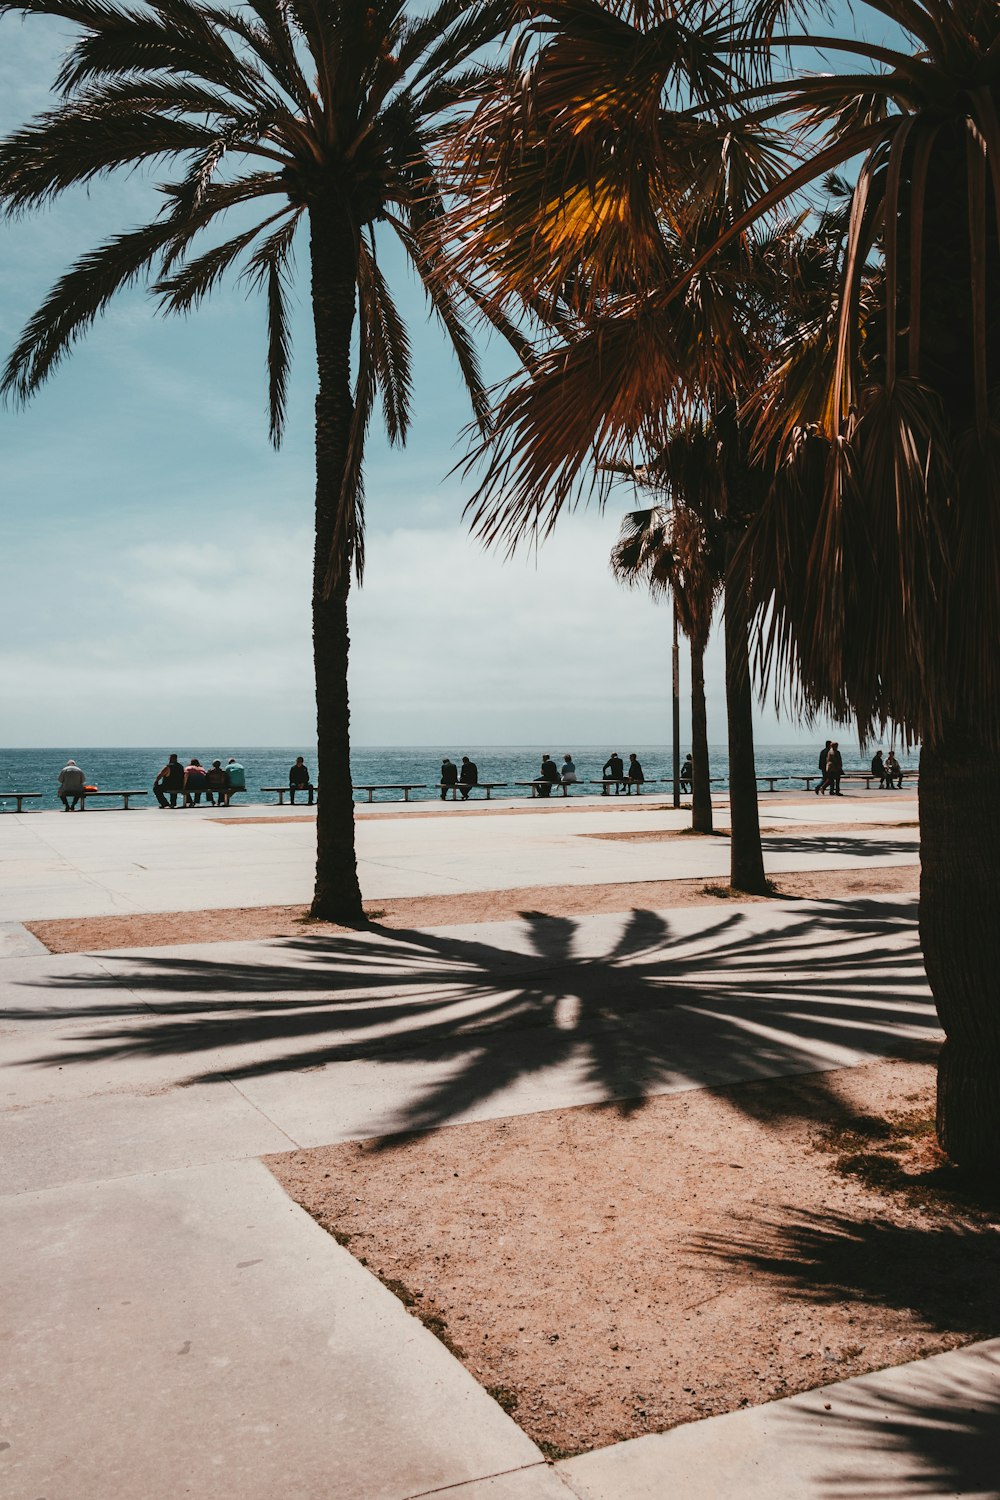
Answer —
(687, 771)
(547, 778)
(216, 784)
(568, 773)
(613, 770)
(823, 758)
(878, 768)
(194, 782)
(236, 778)
(893, 773)
(449, 776)
(468, 777)
(71, 785)
(299, 780)
(635, 774)
(169, 782)
(834, 769)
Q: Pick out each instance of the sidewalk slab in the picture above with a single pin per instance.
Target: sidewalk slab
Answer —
(537, 1483)
(350, 1036)
(16, 941)
(930, 1428)
(196, 1334)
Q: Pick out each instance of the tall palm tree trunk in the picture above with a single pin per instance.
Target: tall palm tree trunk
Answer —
(746, 859)
(960, 937)
(337, 896)
(701, 786)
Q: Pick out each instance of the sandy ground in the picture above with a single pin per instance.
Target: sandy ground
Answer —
(607, 1272)
(90, 934)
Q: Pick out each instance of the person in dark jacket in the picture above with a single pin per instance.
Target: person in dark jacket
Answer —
(613, 770)
(635, 775)
(548, 777)
(834, 769)
(468, 776)
(687, 771)
(824, 756)
(299, 780)
(878, 769)
(216, 784)
(169, 782)
(449, 776)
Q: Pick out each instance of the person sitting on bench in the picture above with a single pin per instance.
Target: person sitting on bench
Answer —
(613, 770)
(71, 785)
(299, 780)
(547, 778)
(635, 774)
(169, 782)
(468, 775)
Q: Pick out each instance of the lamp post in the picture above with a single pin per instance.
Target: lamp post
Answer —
(677, 713)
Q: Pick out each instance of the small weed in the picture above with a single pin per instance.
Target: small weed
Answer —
(373, 912)
(554, 1453)
(398, 1289)
(503, 1396)
(434, 1323)
(873, 1168)
(341, 1237)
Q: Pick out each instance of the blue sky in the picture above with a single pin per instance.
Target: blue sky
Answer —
(154, 570)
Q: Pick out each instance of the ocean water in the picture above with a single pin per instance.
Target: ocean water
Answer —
(128, 768)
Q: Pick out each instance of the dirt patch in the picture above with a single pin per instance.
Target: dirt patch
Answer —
(247, 924)
(618, 1270)
(654, 835)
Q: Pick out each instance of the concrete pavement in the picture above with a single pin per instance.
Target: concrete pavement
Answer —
(104, 863)
(173, 1325)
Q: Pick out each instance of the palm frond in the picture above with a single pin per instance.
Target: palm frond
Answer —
(76, 300)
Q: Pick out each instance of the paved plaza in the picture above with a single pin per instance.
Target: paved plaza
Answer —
(173, 1324)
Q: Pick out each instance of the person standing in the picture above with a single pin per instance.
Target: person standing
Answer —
(824, 755)
(613, 770)
(449, 777)
(635, 775)
(299, 780)
(569, 775)
(71, 784)
(169, 782)
(236, 778)
(468, 777)
(687, 771)
(834, 769)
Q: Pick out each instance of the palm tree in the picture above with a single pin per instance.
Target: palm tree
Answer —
(877, 557)
(668, 550)
(311, 117)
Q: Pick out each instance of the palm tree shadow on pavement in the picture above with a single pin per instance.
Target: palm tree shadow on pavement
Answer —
(669, 1001)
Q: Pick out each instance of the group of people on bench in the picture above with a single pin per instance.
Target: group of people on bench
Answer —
(465, 776)
(216, 783)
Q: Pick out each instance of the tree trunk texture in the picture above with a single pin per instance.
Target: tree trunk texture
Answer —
(337, 896)
(960, 936)
(746, 859)
(701, 786)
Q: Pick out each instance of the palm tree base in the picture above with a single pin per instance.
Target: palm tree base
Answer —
(968, 1109)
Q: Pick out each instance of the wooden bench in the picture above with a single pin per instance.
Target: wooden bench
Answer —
(406, 787)
(565, 785)
(19, 797)
(85, 797)
(282, 790)
(469, 786)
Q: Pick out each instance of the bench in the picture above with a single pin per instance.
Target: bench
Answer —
(19, 797)
(622, 781)
(406, 787)
(469, 786)
(85, 797)
(865, 776)
(282, 790)
(565, 785)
